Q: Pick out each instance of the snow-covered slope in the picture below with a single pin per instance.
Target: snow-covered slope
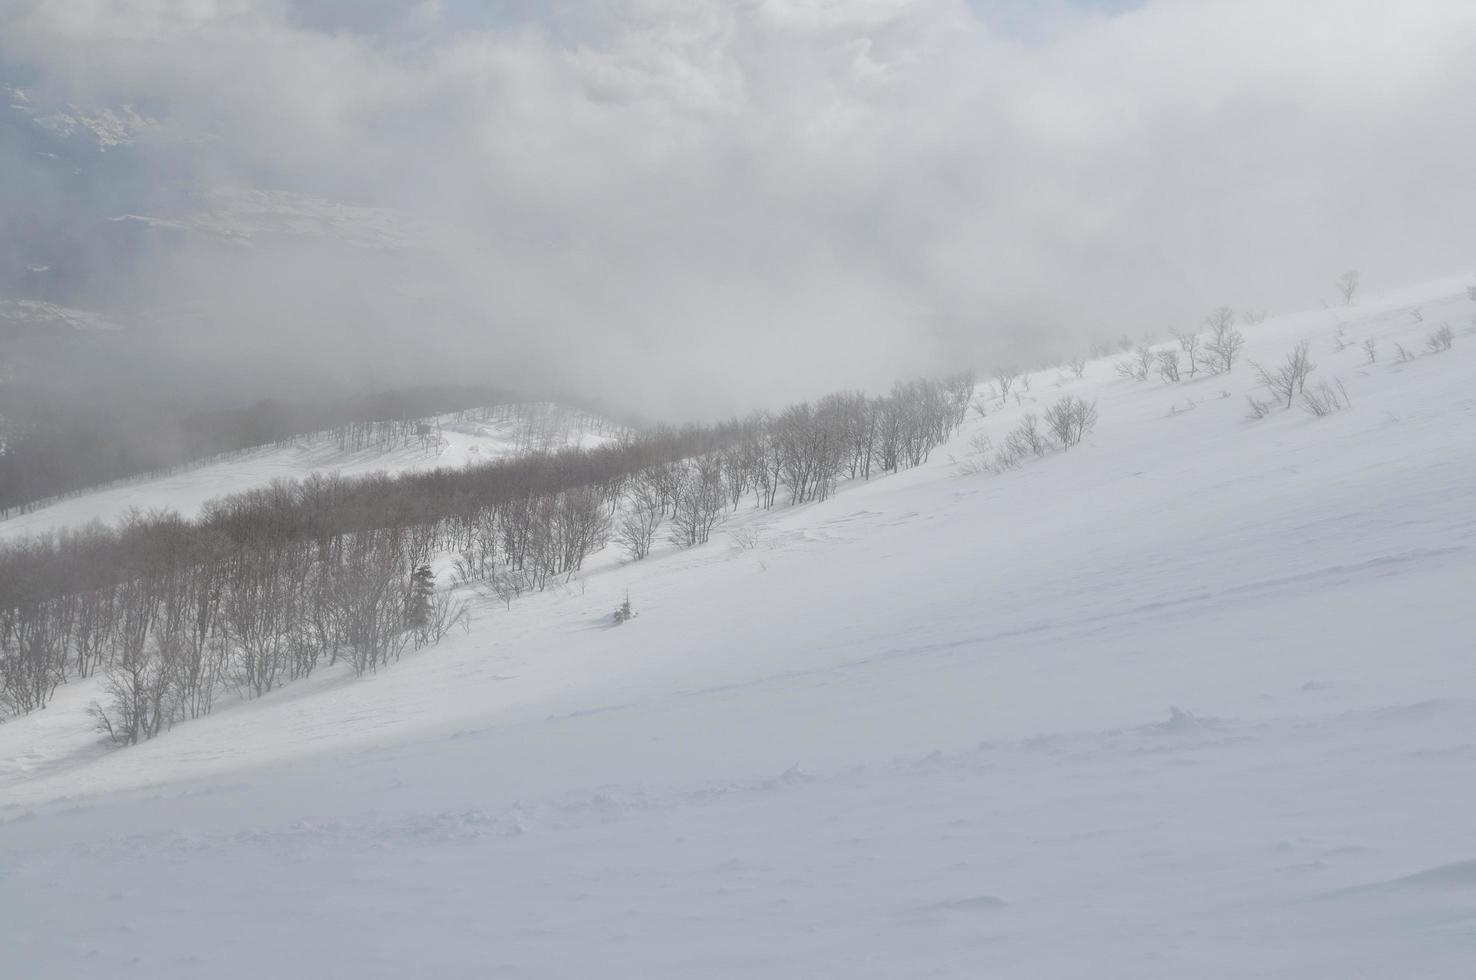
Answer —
(542, 427)
(1194, 699)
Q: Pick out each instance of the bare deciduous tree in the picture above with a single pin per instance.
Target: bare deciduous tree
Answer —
(1142, 361)
(1290, 377)
(1005, 377)
(1258, 409)
(1189, 343)
(640, 516)
(1348, 286)
(1324, 399)
(981, 449)
(1440, 339)
(699, 505)
(1070, 419)
(1224, 343)
(445, 613)
(1027, 439)
(1168, 366)
(1138, 366)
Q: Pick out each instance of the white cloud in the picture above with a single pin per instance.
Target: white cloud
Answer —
(794, 194)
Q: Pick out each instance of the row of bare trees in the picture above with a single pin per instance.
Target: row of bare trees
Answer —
(269, 584)
(801, 453)
(1065, 424)
(174, 612)
(1213, 351)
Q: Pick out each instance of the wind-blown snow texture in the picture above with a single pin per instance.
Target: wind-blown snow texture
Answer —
(1195, 699)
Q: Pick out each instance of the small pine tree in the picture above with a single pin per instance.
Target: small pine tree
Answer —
(418, 600)
(623, 612)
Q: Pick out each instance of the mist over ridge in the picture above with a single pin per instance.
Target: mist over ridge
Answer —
(700, 208)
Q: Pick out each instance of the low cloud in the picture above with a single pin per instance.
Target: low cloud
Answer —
(698, 207)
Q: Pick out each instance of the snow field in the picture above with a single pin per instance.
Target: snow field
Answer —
(1194, 698)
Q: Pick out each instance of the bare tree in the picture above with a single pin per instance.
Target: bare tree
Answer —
(1258, 409)
(1168, 366)
(1253, 317)
(1070, 419)
(255, 613)
(445, 613)
(699, 506)
(1348, 286)
(580, 526)
(1290, 377)
(1005, 377)
(32, 660)
(1189, 343)
(1142, 361)
(1027, 438)
(1224, 343)
(1077, 365)
(640, 516)
(138, 686)
(1138, 366)
(1440, 339)
(1371, 348)
(960, 387)
(981, 448)
(1220, 320)
(1324, 399)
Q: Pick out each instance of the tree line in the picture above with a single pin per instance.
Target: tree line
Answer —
(48, 449)
(269, 584)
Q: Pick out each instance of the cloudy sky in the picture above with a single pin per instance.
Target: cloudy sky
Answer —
(694, 206)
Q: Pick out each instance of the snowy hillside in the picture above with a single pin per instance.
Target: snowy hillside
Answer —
(458, 439)
(1194, 698)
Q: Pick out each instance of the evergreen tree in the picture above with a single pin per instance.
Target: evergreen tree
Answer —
(418, 601)
(623, 612)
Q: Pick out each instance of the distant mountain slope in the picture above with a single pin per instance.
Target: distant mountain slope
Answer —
(457, 438)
